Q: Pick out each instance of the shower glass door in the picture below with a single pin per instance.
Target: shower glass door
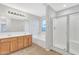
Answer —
(60, 33)
(74, 34)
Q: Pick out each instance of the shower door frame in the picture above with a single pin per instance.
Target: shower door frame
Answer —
(67, 27)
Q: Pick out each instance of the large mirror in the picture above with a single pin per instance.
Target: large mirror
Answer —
(13, 25)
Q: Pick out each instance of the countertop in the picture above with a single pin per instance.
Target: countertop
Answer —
(12, 34)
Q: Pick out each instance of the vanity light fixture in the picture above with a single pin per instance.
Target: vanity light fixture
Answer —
(14, 13)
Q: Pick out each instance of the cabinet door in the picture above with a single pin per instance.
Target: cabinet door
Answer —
(20, 42)
(30, 40)
(5, 46)
(26, 41)
(60, 32)
(13, 44)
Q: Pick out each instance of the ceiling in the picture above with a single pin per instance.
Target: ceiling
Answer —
(61, 6)
(33, 8)
(39, 9)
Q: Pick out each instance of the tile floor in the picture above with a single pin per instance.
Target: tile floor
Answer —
(34, 50)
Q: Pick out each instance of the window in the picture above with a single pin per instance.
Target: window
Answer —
(43, 24)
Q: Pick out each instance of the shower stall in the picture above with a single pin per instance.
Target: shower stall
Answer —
(66, 33)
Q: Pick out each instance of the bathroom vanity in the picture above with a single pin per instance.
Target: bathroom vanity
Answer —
(12, 43)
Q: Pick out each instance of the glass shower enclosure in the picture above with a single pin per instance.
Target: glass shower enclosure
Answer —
(66, 33)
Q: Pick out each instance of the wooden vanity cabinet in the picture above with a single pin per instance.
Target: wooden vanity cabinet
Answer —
(4, 46)
(20, 41)
(13, 44)
(26, 41)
